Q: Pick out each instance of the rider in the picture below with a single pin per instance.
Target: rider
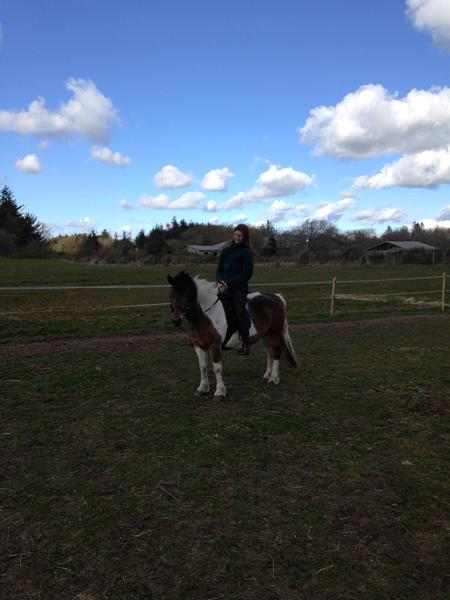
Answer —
(234, 271)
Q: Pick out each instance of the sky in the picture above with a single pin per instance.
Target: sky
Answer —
(119, 115)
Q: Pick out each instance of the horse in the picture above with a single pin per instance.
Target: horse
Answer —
(197, 301)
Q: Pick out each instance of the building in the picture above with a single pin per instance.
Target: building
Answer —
(214, 250)
(394, 251)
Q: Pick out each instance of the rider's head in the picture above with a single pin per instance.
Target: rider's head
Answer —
(241, 235)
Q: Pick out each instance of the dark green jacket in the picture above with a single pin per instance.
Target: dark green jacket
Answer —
(235, 265)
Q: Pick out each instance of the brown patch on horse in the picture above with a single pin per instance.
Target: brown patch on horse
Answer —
(268, 315)
(204, 335)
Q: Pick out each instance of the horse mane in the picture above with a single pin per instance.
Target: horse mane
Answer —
(184, 283)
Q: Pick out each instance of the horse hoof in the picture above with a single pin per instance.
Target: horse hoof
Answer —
(201, 394)
(219, 398)
(274, 381)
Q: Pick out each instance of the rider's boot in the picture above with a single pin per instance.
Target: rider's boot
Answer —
(244, 350)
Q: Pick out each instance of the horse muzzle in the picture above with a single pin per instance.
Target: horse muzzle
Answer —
(176, 316)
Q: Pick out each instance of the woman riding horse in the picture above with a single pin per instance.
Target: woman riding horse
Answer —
(234, 271)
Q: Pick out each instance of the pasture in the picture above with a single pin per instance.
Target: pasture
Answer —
(46, 314)
(116, 483)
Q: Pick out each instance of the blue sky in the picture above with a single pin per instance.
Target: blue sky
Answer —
(120, 115)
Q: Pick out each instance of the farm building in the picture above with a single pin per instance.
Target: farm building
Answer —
(397, 251)
(215, 249)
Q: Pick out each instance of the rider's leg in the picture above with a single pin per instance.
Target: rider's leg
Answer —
(239, 298)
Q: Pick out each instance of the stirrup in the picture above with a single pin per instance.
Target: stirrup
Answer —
(244, 350)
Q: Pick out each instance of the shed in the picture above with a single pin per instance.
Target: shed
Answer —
(214, 249)
(395, 249)
(389, 246)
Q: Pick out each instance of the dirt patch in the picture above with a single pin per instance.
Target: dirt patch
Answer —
(124, 341)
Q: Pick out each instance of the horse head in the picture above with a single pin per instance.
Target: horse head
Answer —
(183, 296)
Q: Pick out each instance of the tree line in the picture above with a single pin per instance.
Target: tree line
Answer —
(311, 242)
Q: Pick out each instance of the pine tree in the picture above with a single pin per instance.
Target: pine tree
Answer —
(22, 228)
(270, 249)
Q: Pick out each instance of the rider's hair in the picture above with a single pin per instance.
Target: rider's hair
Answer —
(246, 233)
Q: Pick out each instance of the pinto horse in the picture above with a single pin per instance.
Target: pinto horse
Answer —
(196, 300)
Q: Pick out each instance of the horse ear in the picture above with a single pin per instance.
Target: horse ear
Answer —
(170, 279)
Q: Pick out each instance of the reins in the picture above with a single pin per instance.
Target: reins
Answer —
(213, 304)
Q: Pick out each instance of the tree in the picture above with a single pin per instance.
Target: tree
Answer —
(156, 243)
(400, 234)
(141, 240)
(22, 229)
(418, 233)
(270, 249)
(91, 244)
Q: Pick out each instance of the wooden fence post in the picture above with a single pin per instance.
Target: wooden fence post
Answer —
(333, 293)
(443, 292)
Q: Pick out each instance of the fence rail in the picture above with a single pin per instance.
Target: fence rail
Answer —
(333, 298)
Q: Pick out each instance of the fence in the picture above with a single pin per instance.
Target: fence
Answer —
(441, 291)
(334, 297)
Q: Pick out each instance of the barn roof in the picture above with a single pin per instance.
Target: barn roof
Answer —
(213, 248)
(410, 245)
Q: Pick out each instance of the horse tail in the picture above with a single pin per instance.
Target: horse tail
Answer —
(287, 349)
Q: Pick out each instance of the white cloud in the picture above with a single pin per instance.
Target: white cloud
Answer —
(280, 182)
(276, 181)
(216, 180)
(427, 169)
(280, 210)
(84, 224)
(258, 223)
(238, 219)
(171, 177)
(290, 224)
(212, 206)
(160, 201)
(125, 205)
(444, 214)
(333, 211)
(370, 122)
(88, 112)
(257, 160)
(236, 201)
(380, 216)
(109, 157)
(433, 224)
(432, 16)
(29, 164)
(185, 201)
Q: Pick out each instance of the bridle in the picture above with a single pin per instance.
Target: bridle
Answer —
(188, 309)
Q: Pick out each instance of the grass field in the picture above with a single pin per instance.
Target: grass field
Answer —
(46, 314)
(116, 483)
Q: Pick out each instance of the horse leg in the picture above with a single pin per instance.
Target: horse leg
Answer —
(202, 356)
(275, 344)
(221, 390)
(216, 355)
(269, 367)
